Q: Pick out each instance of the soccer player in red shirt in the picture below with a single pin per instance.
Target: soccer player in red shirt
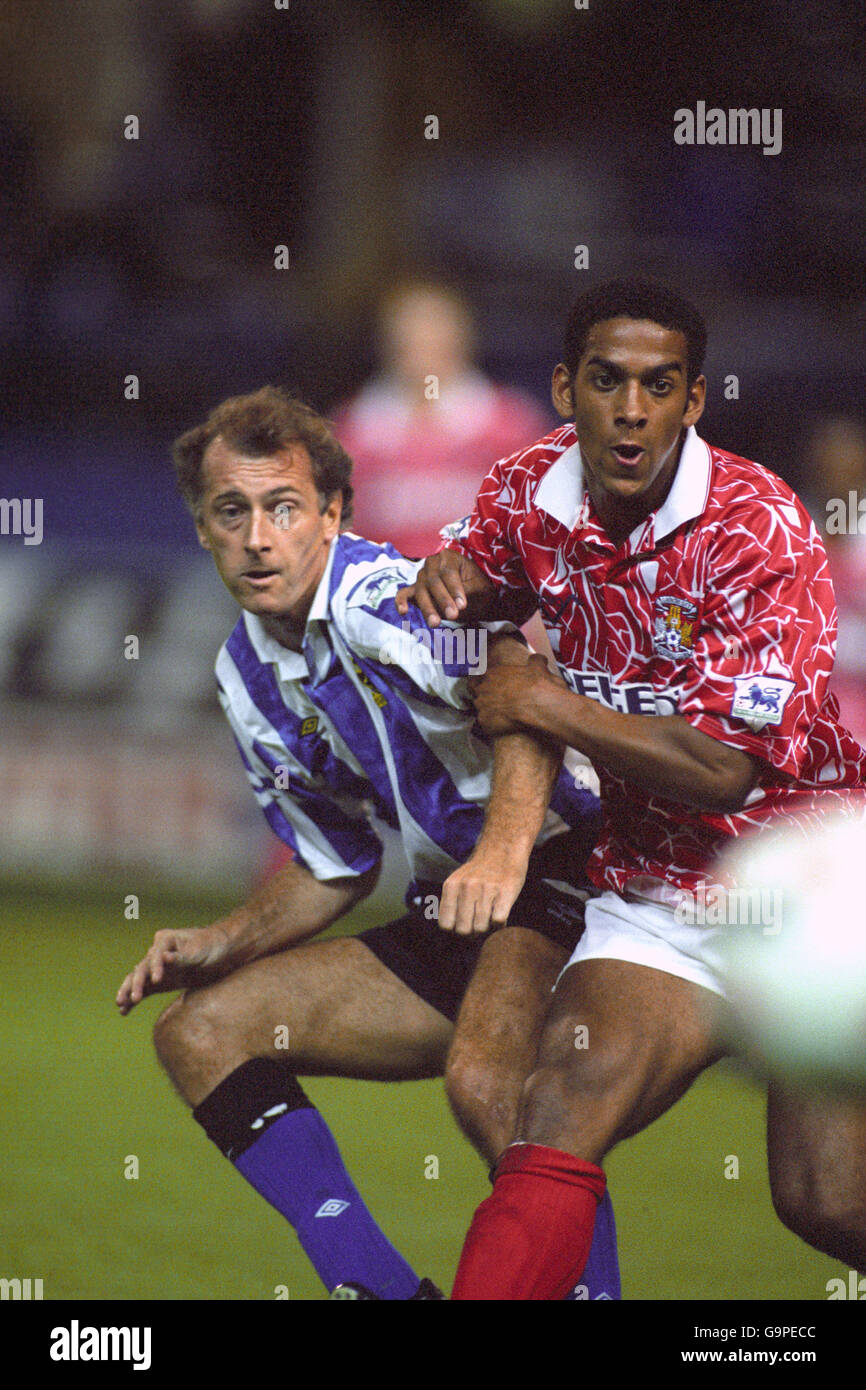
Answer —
(422, 432)
(688, 602)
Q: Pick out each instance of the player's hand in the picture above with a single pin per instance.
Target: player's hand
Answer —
(481, 893)
(176, 960)
(506, 696)
(444, 587)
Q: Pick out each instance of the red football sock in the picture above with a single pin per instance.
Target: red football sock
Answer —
(530, 1239)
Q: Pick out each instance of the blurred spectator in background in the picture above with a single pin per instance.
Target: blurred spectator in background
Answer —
(425, 431)
(835, 483)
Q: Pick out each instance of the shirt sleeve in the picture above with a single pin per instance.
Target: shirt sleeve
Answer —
(431, 663)
(328, 833)
(766, 642)
(486, 536)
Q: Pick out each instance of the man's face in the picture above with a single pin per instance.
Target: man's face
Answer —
(426, 332)
(262, 520)
(630, 401)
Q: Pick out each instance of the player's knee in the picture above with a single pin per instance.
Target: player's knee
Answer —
(484, 1099)
(578, 1102)
(585, 1060)
(187, 1030)
(826, 1218)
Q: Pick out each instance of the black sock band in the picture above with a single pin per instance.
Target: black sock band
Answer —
(239, 1110)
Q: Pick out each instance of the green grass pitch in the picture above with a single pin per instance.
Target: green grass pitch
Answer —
(82, 1095)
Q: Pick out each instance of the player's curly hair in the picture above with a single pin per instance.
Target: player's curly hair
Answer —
(261, 424)
(635, 299)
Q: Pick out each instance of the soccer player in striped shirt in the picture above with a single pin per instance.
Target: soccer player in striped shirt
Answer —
(688, 601)
(334, 704)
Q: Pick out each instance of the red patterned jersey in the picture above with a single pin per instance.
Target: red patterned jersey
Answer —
(718, 607)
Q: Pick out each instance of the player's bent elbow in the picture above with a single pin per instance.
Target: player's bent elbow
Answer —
(727, 788)
(722, 801)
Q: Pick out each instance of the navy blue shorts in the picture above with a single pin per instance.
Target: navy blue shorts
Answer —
(438, 965)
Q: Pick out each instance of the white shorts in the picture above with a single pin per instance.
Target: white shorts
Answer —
(647, 933)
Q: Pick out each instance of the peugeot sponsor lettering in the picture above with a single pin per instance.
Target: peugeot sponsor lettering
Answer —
(627, 697)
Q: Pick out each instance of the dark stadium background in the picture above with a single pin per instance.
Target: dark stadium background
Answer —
(305, 127)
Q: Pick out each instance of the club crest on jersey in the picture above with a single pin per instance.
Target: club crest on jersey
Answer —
(760, 700)
(455, 530)
(674, 627)
(380, 583)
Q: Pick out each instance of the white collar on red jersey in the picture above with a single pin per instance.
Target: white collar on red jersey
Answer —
(561, 491)
(690, 488)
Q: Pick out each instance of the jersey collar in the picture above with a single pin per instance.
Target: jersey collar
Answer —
(689, 491)
(315, 656)
(561, 491)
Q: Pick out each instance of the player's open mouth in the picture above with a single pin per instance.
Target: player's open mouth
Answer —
(260, 576)
(627, 454)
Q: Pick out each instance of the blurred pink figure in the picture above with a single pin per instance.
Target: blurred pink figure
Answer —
(836, 471)
(424, 432)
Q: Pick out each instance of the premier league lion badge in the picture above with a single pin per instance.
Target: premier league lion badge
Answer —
(760, 700)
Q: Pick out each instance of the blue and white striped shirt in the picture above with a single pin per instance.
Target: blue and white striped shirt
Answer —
(364, 713)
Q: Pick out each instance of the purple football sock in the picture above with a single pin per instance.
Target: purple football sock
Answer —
(600, 1278)
(260, 1118)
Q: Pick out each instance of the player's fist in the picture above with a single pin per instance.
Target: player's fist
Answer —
(176, 960)
(506, 697)
(481, 893)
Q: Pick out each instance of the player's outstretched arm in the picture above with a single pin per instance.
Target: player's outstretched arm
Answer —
(481, 893)
(449, 585)
(291, 907)
(664, 754)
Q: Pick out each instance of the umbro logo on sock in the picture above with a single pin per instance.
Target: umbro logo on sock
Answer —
(332, 1207)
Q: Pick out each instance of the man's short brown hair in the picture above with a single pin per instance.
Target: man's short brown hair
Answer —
(257, 426)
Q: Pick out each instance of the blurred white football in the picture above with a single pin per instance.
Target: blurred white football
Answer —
(796, 952)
